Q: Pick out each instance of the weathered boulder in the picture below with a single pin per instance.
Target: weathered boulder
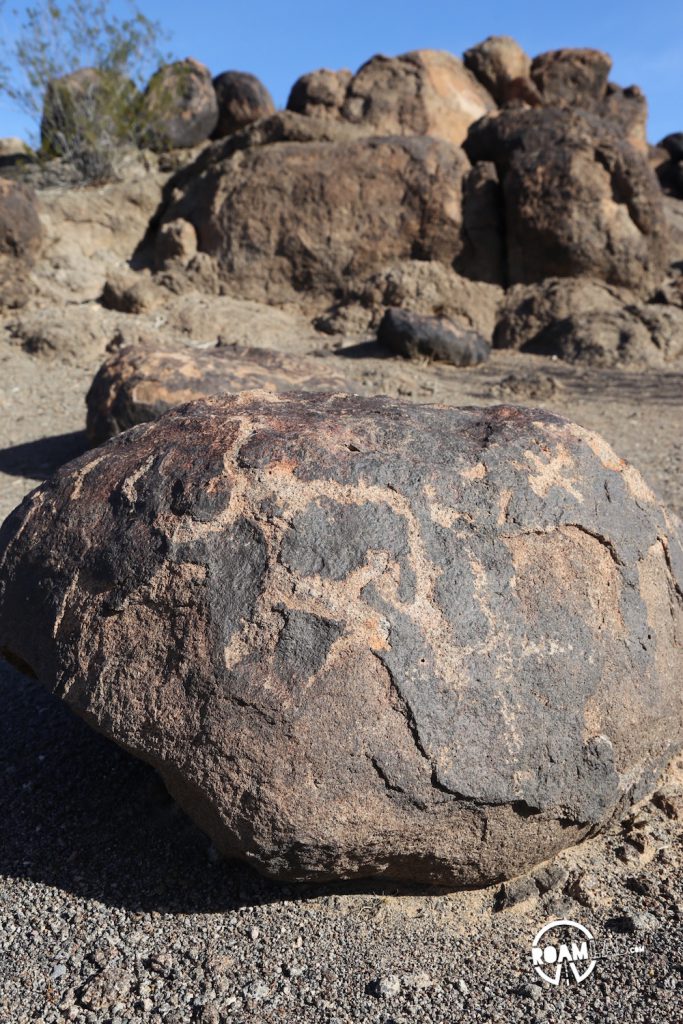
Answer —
(179, 108)
(425, 287)
(321, 619)
(437, 337)
(87, 108)
(21, 238)
(673, 144)
(579, 200)
(496, 62)
(242, 99)
(140, 383)
(293, 217)
(572, 77)
(320, 93)
(587, 321)
(641, 335)
(528, 310)
(425, 92)
(626, 109)
(175, 240)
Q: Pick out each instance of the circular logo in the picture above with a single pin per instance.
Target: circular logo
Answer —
(563, 949)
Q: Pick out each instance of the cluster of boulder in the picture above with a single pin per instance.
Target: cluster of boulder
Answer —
(513, 197)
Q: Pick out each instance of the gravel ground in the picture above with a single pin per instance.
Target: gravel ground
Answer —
(113, 907)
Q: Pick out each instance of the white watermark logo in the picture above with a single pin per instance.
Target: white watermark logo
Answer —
(566, 951)
(563, 949)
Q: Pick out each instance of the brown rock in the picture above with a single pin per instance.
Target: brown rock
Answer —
(320, 93)
(180, 108)
(86, 109)
(496, 62)
(175, 240)
(138, 384)
(21, 238)
(586, 321)
(325, 627)
(304, 217)
(572, 78)
(436, 337)
(578, 199)
(242, 99)
(433, 289)
(527, 312)
(426, 92)
(626, 109)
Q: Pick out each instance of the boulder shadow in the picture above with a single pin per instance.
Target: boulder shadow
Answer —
(37, 460)
(80, 814)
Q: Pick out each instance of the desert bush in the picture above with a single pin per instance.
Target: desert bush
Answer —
(75, 68)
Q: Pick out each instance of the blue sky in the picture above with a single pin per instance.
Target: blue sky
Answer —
(278, 41)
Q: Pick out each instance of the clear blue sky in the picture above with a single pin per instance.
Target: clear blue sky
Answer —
(279, 40)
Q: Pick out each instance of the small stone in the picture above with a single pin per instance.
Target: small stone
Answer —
(670, 800)
(254, 933)
(387, 987)
(256, 990)
(515, 891)
(530, 991)
(58, 971)
(412, 335)
(463, 987)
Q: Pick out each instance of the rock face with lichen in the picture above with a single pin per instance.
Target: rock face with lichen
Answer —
(321, 618)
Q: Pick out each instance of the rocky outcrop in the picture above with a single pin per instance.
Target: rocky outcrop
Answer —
(589, 322)
(436, 337)
(425, 92)
(305, 217)
(497, 62)
(21, 238)
(179, 108)
(140, 383)
(578, 199)
(321, 620)
(320, 93)
(572, 78)
(242, 99)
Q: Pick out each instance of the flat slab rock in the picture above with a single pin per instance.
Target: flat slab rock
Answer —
(139, 383)
(360, 637)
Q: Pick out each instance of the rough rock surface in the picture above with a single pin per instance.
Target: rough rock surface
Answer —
(572, 77)
(496, 62)
(242, 98)
(306, 216)
(325, 627)
(21, 238)
(587, 321)
(139, 383)
(320, 93)
(528, 310)
(425, 92)
(578, 199)
(180, 106)
(639, 335)
(437, 337)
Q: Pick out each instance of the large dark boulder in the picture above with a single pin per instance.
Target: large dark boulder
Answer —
(139, 383)
(436, 337)
(285, 218)
(242, 99)
(179, 107)
(578, 199)
(322, 620)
